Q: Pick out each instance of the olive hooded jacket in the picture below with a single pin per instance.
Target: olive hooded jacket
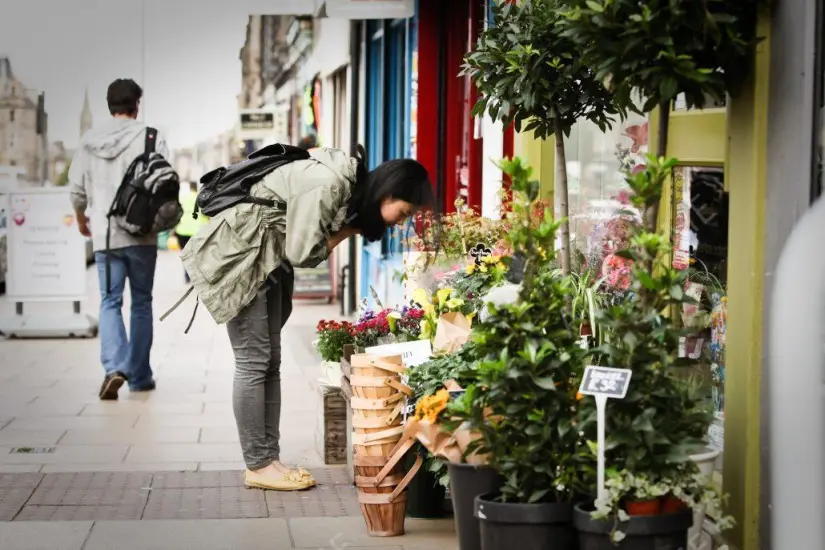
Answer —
(231, 257)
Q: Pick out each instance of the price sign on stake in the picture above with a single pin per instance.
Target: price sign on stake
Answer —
(604, 383)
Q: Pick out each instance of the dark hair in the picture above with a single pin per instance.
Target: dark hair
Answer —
(402, 179)
(123, 96)
(308, 142)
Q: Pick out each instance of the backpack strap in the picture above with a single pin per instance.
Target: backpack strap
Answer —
(150, 142)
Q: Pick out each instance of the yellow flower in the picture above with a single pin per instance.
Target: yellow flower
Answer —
(443, 295)
(470, 269)
(429, 407)
(483, 268)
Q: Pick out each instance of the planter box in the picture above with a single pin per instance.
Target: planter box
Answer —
(331, 434)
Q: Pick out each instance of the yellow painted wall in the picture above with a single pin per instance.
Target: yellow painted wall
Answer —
(746, 182)
(541, 156)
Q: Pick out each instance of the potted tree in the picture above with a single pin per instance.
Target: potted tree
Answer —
(524, 399)
(654, 430)
(530, 74)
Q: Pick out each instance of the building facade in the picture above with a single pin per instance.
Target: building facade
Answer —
(23, 126)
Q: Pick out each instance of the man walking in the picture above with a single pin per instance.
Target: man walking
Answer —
(96, 172)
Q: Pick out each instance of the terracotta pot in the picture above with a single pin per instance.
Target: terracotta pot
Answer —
(672, 504)
(643, 507)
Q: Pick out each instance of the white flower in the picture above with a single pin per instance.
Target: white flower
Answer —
(617, 536)
(623, 516)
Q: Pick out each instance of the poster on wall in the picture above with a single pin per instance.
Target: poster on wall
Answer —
(46, 252)
(681, 219)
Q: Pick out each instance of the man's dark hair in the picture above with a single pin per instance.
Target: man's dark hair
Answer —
(123, 96)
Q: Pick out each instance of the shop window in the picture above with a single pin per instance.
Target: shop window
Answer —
(701, 247)
(595, 161)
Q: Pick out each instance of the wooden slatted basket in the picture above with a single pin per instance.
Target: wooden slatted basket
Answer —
(378, 441)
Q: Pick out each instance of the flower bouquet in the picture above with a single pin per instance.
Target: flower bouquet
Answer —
(386, 326)
(332, 337)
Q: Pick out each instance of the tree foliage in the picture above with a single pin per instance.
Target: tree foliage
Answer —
(529, 74)
(662, 48)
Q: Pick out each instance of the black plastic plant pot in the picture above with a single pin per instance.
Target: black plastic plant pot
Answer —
(506, 525)
(661, 532)
(425, 495)
(466, 483)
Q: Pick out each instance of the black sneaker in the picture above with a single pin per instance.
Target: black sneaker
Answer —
(111, 384)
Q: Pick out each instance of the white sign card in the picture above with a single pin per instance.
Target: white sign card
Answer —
(412, 353)
(46, 252)
(604, 383)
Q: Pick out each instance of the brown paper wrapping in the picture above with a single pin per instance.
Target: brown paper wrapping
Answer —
(452, 331)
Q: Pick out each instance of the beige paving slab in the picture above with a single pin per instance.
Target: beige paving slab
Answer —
(184, 452)
(43, 535)
(42, 407)
(67, 454)
(224, 407)
(74, 422)
(217, 434)
(347, 532)
(153, 434)
(235, 466)
(226, 534)
(120, 467)
(21, 438)
(19, 468)
(202, 397)
(120, 407)
(151, 420)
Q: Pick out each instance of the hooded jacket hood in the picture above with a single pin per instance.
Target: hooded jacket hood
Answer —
(338, 161)
(110, 140)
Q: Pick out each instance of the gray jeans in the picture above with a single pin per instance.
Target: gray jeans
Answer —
(256, 397)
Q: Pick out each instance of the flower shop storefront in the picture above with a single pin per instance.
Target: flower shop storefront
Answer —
(476, 380)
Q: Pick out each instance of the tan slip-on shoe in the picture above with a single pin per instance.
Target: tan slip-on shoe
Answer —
(291, 481)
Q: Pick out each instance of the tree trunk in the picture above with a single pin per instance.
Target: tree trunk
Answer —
(561, 197)
(652, 213)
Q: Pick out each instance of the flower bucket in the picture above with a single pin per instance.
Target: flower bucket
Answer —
(547, 526)
(661, 532)
(468, 481)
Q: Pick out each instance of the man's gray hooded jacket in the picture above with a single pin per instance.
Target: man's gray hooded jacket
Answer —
(97, 170)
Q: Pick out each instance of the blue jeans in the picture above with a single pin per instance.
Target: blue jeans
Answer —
(117, 352)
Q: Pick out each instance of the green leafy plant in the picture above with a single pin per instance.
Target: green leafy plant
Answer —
(529, 73)
(524, 399)
(662, 421)
(661, 48)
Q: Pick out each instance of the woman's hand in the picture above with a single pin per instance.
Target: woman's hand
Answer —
(339, 236)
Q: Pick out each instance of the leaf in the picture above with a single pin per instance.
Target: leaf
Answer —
(668, 88)
(545, 383)
(537, 495)
(595, 6)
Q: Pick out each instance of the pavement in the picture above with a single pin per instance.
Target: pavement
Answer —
(162, 470)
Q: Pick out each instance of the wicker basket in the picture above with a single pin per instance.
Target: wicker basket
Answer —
(379, 442)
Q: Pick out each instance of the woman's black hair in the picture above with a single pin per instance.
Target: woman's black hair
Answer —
(402, 179)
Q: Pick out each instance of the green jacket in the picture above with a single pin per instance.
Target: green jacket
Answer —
(230, 258)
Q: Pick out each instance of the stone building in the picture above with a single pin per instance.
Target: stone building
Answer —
(23, 132)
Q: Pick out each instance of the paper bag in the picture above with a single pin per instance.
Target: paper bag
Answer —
(452, 332)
